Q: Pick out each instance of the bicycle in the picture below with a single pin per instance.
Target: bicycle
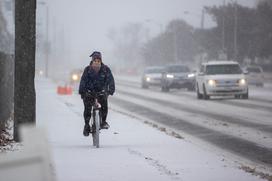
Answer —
(96, 116)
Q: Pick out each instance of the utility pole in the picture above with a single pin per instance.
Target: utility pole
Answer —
(175, 45)
(223, 27)
(25, 46)
(202, 18)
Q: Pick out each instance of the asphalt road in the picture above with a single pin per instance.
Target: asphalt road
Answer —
(241, 127)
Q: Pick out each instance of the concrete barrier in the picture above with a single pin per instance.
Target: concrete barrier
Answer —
(32, 162)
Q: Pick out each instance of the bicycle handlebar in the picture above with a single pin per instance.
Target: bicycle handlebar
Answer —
(96, 94)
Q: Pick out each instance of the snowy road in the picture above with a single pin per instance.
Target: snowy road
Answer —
(240, 127)
(131, 150)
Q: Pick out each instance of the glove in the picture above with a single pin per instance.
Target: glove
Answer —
(111, 93)
(83, 95)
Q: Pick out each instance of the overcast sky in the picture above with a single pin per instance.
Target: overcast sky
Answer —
(82, 25)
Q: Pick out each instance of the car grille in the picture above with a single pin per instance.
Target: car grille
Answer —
(227, 83)
(226, 91)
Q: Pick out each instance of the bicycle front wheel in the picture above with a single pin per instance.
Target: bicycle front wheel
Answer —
(97, 128)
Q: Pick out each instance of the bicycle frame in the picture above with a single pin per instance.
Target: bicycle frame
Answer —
(96, 117)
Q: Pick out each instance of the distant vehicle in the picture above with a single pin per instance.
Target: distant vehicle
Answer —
(255, 75)
(75, 76)
(177, 76)
(221, 78)
(152, 76)
(74, 79)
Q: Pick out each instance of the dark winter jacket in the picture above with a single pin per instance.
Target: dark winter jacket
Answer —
(96, 82)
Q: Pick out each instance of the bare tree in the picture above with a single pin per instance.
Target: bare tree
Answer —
(127, 43)
(25, 42)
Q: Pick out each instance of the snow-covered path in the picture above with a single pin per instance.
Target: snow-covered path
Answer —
(130, 150)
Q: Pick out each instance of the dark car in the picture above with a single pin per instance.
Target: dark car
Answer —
(152, 76)
(177, 76)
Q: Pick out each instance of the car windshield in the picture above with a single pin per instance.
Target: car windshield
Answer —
(223, 69)
(153, 70)
(254, 69)
(177, 69)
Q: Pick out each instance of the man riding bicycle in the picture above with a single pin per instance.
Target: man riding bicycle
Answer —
(97, 77)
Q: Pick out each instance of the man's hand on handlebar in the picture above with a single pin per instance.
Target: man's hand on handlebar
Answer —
(92, 94)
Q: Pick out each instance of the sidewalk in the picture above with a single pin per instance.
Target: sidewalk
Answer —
(130, 150)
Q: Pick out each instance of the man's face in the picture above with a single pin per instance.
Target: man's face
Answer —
(96, 64)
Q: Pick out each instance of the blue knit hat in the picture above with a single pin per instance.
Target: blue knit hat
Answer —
(96, 55)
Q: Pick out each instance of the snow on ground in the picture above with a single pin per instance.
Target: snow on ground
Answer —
(130, 150)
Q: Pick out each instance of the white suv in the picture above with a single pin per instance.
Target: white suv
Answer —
(221, 78)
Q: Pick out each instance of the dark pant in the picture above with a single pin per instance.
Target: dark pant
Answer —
(88, 102)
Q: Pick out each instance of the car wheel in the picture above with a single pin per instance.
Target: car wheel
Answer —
(191, 87)
(144, 86)
(237, 96)
(205, 96)
(245, 96)
(165, 89)
(199, 96)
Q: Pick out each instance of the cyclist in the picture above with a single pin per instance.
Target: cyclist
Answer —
(96, 77)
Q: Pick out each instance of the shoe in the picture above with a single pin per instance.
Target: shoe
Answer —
(105, 125)
(87, 130)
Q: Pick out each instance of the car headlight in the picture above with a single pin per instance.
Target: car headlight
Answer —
(211, 82)
(147, 79)
(242, 82)
(170, 76)
(191, 75)
(75, 77)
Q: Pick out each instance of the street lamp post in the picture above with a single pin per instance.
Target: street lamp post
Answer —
(235, 30)
(223, 27)
(202, 25)
(202, 18)
(47, 39)
(175, 45)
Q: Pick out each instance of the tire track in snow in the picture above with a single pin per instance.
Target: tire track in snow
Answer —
(156, 163)
(229, 119)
